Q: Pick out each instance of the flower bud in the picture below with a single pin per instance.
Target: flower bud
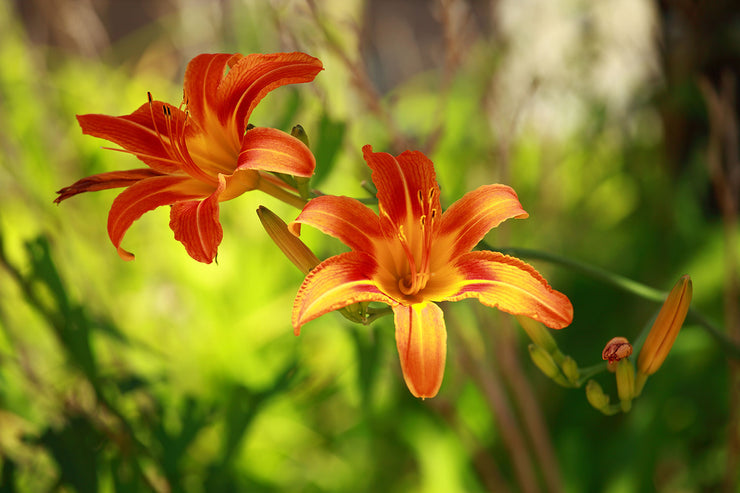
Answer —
(302, 183)
(597, 398)
(547, 365)
(625, 383)
(570, 370)
(299, 133)
(538, 333)
(293, 248)
(616, 350)
(665, 329)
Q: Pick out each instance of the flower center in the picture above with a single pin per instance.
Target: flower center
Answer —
(172, 137)
(417, 245)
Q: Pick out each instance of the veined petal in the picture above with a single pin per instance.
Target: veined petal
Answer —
(202, 77)
(400, 182)
(344, 218)
(104, 181)
(512, 286)
(468, 220)
(144, 196)
(421, 339)
(337, 282)
(270, 149)
(143, 133)
(253, 76)
(196, 225)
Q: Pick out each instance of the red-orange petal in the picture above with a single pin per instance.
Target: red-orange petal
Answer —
(270, 149)
(105, 181)
(253, 76)
(144, 196)
(400, 180)
(468, 220)
(138, 133)
(513, 286)
(196, 225)
(337, 282)
(344, 218)
(202, 78)
(421, 339)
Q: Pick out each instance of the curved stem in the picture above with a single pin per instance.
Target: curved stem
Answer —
(625, 284)
(590, 371)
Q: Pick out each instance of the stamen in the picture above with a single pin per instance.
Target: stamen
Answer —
(407, 285)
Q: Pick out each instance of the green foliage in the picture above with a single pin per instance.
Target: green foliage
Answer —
(167, 375)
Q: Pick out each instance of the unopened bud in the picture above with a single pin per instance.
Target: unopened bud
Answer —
(299, 133)
(597, 398)
(538, 333)
(665, 329)
(616, 350)
(625, 383)
(570, 370)
(302, 183)
(546, 364)
(292, 246)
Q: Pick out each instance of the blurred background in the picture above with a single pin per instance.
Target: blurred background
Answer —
(616, 123)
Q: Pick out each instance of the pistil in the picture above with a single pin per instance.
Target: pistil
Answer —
(419, 273)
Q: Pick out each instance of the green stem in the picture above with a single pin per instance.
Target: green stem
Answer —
(281, 193)
(585, 374)
(620, 282)
(625, 284)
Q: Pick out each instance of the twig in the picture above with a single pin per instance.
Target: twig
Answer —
(723, 148)
(360, 79)
(526, 402)
(490, 384)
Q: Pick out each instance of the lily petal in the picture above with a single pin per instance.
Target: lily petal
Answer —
(202, 78)
(143, 133)
(253, 76)
(400, 181)
(344, 218)
(421, 339)
(196, 225)
(468, 220)
(104, 181)
(335, 283)
(144, 196)
(512, 286)
(270, 149)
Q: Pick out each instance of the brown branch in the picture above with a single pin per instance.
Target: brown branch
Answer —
(484, 463)
(724, 168)
(360, 79)
(489, 382)
(526, 402)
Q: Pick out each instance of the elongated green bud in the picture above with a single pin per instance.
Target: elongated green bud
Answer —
(292, 246)
(625, 383)
(538, 333)
(547, 365)
(596, 396)
(570, 370)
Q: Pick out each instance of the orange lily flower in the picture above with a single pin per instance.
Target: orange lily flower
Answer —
(411, 256)
(203, 152)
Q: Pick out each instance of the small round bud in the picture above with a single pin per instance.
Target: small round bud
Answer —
(616, 349)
